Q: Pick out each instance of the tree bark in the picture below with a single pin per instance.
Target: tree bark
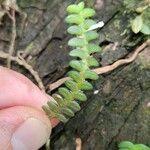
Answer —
(119, 106)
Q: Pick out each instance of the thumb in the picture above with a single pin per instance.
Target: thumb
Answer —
(23, 128)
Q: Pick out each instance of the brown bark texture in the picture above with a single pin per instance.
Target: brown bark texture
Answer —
(119, 106)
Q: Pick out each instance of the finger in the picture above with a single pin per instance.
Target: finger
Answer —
(20, 90)
(23, 128)
(17, 90)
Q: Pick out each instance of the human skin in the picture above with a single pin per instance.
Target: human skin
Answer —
(23, 123)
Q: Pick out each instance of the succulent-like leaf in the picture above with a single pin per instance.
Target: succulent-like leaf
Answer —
(58, 99)
(80, 96)
(87, 12)
(77, 30)
(126, 145)
(137, 24)
(52, 105)
(92, 62)
(89, 74)
(47, 109)
(88, 23)
(78, 65)
(145, 29)
(81, 5)
(79, 53)
(68, 112)
(65, 93)
(74, 75)
(91, 35)
(93, 48)
(74, 19)
(74, 9)
(72, 85)
(86, 86)
(74, 106)
(62, 118)
(141, 147)
(77, 42)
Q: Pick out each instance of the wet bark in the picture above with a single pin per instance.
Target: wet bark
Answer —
(119, 106)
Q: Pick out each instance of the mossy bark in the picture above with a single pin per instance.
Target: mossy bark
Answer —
(120, 108)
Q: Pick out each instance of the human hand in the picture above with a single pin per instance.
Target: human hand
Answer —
(23, 124)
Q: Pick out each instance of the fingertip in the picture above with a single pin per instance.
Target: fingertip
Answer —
(23, 128)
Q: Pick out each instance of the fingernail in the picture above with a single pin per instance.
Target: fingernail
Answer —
(31, 135)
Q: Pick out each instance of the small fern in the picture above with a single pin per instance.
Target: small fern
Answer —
(67, 97)
(126, 145)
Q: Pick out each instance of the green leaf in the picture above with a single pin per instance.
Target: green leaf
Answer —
(145, 29)
(78, 65)
(143, 147)
(81, 5)
(137, 147)
(47, 110)
(74, 75)
(79, 53)
(91, 35)
(76, 42)
(87, 12)
(71, 85)
(77, 30)
(68, 112)
(74, 9)
(89, 74)
(74, 106)
(126, 145)
(65, 93)
(74, 19)
(137, 24)
(93, 48)
(88, 23)
(61, 118)
(92, 62)
(58, 98)
(86, 86)
(52, 105)
(80, 96)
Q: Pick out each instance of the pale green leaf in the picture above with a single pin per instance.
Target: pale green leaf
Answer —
(91, 35)
(85, 85)
(89, 74)
(76, 30)
(92, 62)
(52, 105)
(87, 12)
(65, 93)
(74, 75)
(137, 24)
(76, 42)
(93, 48)
(78, 65)
(74, 19)
(58, 98)
(88, 23)
(62, 118)
(126, 144)
(79, 53)
(67, 111)
(81, 5)
(146, 29)
(74, 106)
(72, 85)
(80, 96)
(74, 9)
